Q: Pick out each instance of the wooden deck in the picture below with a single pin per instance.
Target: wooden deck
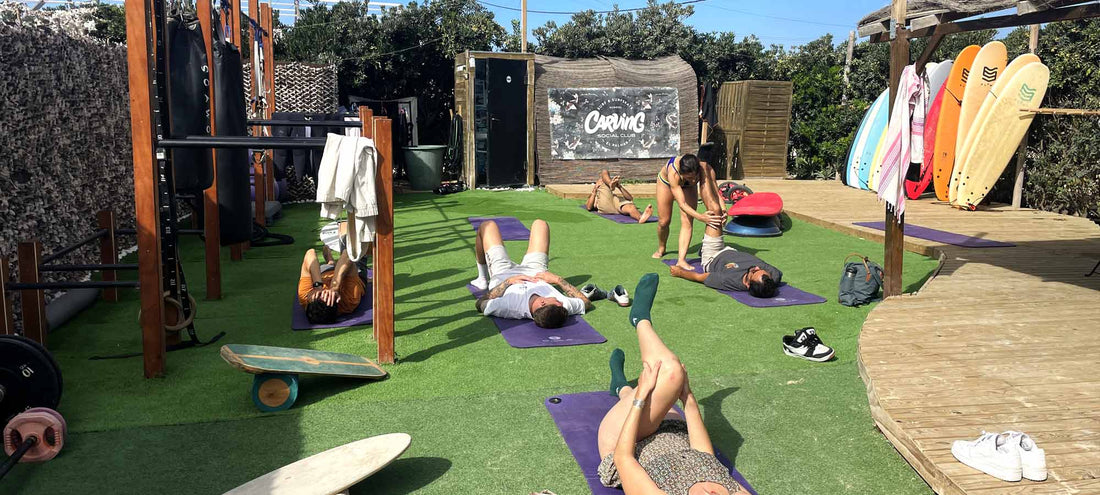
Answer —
(1002, 338)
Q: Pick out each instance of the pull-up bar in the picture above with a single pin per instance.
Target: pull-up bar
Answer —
(245, 142)
(306, 123)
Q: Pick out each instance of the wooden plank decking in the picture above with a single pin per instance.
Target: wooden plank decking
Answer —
(1002, 338)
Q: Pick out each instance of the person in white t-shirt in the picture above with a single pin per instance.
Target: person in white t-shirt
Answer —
(523, 290)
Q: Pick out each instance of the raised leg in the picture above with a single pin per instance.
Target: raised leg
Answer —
(539, 241)
(691, 197)
(488, 235)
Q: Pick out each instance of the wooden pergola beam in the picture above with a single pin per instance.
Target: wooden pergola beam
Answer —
(210, 212)
(1076, 12)
(895, 224)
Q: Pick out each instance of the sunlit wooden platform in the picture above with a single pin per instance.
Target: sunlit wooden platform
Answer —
(1001, 338)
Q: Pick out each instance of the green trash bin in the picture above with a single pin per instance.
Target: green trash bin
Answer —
(425, 166)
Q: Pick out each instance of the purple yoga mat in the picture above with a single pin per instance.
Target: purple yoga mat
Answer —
(523, 334)
(623, 219)
(787, 295)
(363, 314)
(578, 418)
(940, 236)
(510, 227)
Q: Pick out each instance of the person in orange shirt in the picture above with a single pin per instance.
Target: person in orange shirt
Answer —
(326, 292)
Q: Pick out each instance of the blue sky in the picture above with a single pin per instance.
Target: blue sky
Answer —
(782, 22)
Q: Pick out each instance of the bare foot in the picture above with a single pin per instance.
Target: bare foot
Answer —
(660, 253)
(684, 264)
(646, 214)
(676, 271)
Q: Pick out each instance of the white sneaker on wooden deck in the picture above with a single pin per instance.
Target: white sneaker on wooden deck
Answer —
(1033, 460)
(991, 454)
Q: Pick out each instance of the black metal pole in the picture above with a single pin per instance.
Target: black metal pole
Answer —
(99, 233)
(77, 267)
(95, 284)
(307, 123)
(245, 142)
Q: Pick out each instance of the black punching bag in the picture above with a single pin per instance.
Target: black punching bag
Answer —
(230, 119)
(188, 101)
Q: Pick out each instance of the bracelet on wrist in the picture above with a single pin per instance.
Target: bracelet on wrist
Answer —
(639, 403)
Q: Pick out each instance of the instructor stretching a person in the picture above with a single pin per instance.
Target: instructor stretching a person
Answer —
(646, 446)
(678, 181)
(523, 290)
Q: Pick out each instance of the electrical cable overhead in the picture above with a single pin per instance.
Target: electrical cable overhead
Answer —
(422, 44)
(767, 16)
(562, 12)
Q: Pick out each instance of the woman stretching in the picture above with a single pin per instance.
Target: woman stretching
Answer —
(646, 446)
(678, 181)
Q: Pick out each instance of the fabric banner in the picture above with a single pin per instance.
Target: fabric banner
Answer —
(596, 123)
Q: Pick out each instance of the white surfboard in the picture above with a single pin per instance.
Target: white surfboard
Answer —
(936, 77)
(987, 67)
(332, 471)
(998, 134)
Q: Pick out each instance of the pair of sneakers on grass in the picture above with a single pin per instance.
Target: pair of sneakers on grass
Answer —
(617, 295)
(1009, 456)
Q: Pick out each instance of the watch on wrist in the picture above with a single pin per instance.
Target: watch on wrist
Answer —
(318, 284)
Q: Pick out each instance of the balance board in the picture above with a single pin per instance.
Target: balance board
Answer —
(753, 226)
(914, 188)
(987, 67)
(998, 134)
(947, 127)
(332, 471)
(867, 144)
(759, 204)
(998, 89)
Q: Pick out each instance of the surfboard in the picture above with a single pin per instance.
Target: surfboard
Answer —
(998, 89)
(936, 76)
(868, 141)
(987, 67)
(914, 188)
(876, 162)
(947, 126)
(998, 134)
(851, 168)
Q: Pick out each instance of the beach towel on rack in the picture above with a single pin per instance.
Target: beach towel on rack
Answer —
(904, 139)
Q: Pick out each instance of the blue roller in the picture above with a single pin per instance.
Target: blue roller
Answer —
(754, 226)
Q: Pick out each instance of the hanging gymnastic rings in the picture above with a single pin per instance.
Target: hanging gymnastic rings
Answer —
(179, 311)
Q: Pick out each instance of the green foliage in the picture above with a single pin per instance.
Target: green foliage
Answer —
(110, 22)
(402, 52)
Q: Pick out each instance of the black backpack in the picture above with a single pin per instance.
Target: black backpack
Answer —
(860, 282)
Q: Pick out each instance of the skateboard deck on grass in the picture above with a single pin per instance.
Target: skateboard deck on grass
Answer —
(275, 387)
(332, 471)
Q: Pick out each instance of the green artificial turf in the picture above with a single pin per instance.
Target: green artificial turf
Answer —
(473, 405)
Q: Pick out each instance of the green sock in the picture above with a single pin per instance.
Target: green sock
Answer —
(618, 376)
(643, 298)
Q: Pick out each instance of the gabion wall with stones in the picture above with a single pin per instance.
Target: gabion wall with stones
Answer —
(301, 87)
(64, 133)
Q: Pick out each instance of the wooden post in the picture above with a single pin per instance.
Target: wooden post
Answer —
(895, 224)
(848, 65)
(1021, 154)
(108, 251)
(269, 81)
(211, 216)
(523, 20)
(7, 324)
(235, 23)
(383, 244)
(33, 300)
(150, 276)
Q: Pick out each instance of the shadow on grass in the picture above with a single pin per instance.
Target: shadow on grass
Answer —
(404, 476)
(313, 389)
(724, 436)
(468, 334)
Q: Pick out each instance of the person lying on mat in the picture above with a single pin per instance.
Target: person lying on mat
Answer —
(678, 182)
(725, 268)
(646, 446)
(523, 290)
(328, 291)
(611, 198)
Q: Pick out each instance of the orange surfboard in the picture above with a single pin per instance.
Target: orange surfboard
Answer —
(948, 125)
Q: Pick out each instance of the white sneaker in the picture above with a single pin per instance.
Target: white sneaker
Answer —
(991, 454)
(1033, 460)
(619, 295)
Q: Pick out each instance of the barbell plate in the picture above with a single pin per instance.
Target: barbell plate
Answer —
(29, 377)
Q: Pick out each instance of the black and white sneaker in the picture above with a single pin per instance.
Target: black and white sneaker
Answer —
(807, 345)
(593, 293)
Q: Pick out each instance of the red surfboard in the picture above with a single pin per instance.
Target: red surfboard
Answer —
(913, 189)
(758, 204)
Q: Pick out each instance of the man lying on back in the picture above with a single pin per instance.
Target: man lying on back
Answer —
(523, 290)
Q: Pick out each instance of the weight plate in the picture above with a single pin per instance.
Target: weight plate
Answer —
(42, 349)
(29, 378)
